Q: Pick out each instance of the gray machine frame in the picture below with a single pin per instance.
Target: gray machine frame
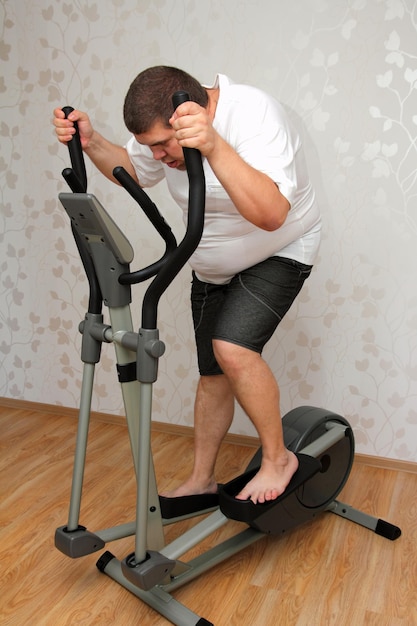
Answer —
(155, 569)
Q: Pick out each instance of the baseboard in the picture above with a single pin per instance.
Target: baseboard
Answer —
(187, 431)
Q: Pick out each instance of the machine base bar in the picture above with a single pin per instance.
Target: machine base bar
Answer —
(380, 527)
(156, 598)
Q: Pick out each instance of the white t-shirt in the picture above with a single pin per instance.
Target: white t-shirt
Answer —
(257, 127)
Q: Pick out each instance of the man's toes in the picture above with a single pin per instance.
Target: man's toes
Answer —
(243, 495)
(272, 494)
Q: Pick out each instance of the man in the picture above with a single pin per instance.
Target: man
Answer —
(260, 239)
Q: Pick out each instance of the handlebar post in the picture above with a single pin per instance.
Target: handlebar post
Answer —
(194, 231)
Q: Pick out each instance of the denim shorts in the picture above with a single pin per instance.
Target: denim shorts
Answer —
(247, 310)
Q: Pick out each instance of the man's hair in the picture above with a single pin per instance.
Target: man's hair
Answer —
(149, 98)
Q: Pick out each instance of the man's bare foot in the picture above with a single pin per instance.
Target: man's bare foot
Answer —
(191, 488)
(271, 480)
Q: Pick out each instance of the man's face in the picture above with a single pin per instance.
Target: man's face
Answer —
(161, 141)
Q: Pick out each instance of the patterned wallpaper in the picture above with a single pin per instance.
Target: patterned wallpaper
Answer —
(346, 70)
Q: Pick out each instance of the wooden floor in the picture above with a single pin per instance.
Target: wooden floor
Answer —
(324, 573)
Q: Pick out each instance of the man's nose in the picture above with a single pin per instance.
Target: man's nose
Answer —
(158, 153)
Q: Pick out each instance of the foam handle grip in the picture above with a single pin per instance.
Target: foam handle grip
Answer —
(67, 110)
(76, 152)
(179, 97)
(192, 156)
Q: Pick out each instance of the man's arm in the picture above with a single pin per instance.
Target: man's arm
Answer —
(104, 154)
(254, 194)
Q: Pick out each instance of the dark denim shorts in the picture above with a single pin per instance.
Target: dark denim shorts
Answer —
(247, 310)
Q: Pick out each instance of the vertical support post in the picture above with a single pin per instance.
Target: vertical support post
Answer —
(137, 398)
(144, 448)
(81, 446)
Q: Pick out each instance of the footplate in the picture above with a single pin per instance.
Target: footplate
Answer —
(279, 515)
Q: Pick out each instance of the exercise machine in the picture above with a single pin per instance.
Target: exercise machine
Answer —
(322, 440)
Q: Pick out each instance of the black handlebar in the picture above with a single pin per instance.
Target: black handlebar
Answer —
(195, 224)
(156, 219)
(77, 178)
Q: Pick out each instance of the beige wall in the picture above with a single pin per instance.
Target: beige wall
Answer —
(347, 73)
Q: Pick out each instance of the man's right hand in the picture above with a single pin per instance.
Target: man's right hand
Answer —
(103, 153)
(64, 127)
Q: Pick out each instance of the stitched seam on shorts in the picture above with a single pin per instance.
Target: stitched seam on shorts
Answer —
(202, 309)
(258, 299)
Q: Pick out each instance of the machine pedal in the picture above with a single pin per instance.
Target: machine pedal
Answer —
(276, 516)
(187, 505)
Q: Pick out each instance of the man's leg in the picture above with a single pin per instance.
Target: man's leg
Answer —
(213, 415)
(256, 390)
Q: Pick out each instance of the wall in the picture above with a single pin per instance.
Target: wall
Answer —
(346, 70)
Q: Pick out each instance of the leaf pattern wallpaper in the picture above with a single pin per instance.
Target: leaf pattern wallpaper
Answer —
(346, 71)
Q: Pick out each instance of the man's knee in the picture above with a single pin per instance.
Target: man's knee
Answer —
(214, 386)
(215, 383)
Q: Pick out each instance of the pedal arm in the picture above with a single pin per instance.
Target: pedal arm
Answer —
(335, 433)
